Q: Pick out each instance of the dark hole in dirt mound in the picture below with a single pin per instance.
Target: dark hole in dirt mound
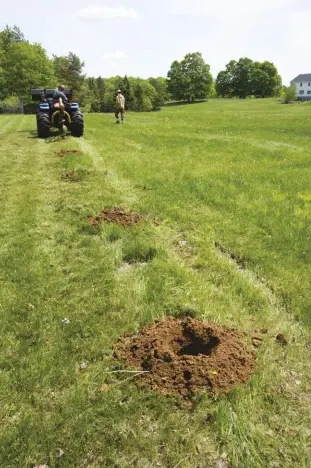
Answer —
(118, 216)
(198, 346)
(63, 152)
(184, 356)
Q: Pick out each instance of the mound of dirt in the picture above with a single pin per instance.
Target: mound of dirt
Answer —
(63, 152)
(118, 216)
(184, 356)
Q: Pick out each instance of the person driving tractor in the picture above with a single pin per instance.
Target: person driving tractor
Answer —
(59, 93)
(120, 105)
(60, 102)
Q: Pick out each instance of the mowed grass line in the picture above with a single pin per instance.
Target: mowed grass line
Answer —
(75, 272)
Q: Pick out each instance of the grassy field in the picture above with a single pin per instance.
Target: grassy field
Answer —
(230, 178)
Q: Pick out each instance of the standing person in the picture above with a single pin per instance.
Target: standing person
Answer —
(120, 105)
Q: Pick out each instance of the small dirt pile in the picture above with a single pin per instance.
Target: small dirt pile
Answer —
(63, 152)
(183, 356)
(118, 216)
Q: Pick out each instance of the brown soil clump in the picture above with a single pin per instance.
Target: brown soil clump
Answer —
(257, 341)
(118, 216)
(63, 152)
(184, 356)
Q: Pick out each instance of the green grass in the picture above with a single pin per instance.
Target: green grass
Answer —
(233, 180)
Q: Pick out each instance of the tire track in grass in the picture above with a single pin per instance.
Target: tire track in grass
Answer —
(27, 315)
(66, 207)
(267, 144)
(18, 220)
(11, 157)
(279, 315)
(8, 124)
(274, 313)
(116, 181)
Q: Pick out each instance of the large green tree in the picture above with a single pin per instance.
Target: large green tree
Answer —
(9, 36)
(259, 80)
(190, 79)
(90, 95)
(69, 70)
(241, 77)
(275, 80)
(100, 85)
(224, 84)
(160, 85)
(176, 82)
(22, 65)
(128, 91)
(245, 77)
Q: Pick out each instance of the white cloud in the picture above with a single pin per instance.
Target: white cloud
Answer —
(116, 55)
(98, 13)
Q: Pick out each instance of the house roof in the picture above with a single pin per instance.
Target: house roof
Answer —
(303, 77)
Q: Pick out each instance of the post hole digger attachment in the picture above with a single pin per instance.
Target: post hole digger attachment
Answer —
(55, 113)
(62, 115)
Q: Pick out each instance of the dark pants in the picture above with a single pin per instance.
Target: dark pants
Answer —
(120, 111)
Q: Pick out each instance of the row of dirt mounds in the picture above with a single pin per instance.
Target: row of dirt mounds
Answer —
(185, 356)
(63, 152)
(117, 215)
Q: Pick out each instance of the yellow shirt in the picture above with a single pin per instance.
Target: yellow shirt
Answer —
(120, 101)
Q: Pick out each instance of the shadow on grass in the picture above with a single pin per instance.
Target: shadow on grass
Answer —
(54, 136)
(33, 134)
(25, 131)
(183, 103)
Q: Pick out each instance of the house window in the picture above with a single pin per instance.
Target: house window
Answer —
(300, 84)
(309, 84)
(308, 92)
(301, 92)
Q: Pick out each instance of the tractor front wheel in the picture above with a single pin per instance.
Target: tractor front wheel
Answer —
(43, 125)
(77, 124)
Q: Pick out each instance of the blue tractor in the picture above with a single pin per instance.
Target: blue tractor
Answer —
(53, 112)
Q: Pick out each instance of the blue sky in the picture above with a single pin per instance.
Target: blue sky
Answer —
(143, 37)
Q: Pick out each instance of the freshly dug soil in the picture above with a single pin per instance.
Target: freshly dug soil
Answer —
(118, 216)
(184, 356)
(63, 152)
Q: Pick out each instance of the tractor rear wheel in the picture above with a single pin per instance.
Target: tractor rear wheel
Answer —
(77, 124)
(43, 125)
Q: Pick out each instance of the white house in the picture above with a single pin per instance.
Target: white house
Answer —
(303, 85)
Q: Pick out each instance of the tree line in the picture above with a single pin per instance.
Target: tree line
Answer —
(246, 78)
(24, 65)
